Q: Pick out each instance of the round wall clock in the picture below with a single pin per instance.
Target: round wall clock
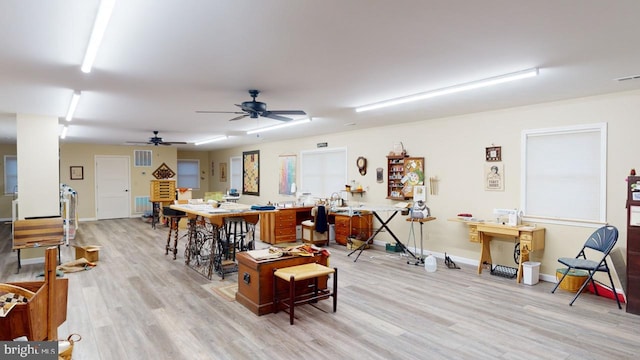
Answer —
(361, 162)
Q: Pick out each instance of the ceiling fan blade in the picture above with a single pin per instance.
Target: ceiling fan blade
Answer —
(218, 112)
(239, 117)
(271, 115)
(288, 112)
(174, 143)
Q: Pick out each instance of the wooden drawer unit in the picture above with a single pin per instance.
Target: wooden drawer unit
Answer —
(280, 226)
(358, 225)
(162, 190)
(473, 233)
(343, 229)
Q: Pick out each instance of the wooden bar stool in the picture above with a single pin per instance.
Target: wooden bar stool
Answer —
(173, 220)
(298, 273)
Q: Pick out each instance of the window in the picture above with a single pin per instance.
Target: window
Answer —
(142, 158)
(189, 174)
(10, 174)
(323, 172)
(236, 173)
(564, 174)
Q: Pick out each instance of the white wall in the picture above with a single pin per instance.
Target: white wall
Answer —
(454, 151)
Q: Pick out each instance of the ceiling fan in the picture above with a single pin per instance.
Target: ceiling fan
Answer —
(156, 140)
(254, 109)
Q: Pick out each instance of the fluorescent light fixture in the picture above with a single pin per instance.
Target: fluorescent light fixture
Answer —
(210, 140)
(99, 27)
(73, 105)
(453, 89)
(63, 134)
(279, 126)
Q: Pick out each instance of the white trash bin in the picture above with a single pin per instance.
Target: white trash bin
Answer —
(531, 272)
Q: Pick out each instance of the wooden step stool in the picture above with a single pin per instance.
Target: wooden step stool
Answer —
(293, 274)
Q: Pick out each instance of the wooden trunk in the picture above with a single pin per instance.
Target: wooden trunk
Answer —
(255, 280)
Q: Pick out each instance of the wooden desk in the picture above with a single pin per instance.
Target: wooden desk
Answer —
(530, 238)
(279, 226)
(255, 280)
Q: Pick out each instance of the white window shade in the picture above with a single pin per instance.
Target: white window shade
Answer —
(323, 172)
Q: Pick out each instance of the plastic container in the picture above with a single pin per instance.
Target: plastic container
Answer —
(430, 263)
(531, 272)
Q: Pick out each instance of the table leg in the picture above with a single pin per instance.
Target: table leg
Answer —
(485, 253)
(524, 256)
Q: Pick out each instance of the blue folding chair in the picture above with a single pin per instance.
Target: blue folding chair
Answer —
(601, 242)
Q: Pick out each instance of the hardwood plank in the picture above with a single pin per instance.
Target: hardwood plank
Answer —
(140, 304)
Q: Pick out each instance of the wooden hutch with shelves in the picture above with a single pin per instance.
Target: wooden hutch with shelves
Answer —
(633, 245)
(403, 172)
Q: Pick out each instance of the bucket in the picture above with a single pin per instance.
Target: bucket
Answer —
(574, 279)
(531, 272)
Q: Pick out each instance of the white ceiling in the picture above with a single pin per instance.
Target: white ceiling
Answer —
(161, 60)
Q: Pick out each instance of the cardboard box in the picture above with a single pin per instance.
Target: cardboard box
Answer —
(89, 252)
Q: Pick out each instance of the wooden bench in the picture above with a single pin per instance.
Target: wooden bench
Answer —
(292, 274)
(33, 233)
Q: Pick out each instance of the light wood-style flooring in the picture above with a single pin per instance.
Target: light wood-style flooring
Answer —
(140, 304)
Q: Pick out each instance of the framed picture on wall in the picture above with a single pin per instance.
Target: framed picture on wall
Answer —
(287, 174)
(251, 172)
(223, 172)
(77, 172)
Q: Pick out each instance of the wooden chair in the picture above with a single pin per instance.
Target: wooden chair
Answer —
(316, 231)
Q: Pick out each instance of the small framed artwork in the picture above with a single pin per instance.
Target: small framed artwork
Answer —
(223, 172)
(76, 172)
(494, 177)
(213, 167)
(494, 153)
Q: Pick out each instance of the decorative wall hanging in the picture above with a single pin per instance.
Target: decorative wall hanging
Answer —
(223, 172)
(494, 177)
(379, 175)
(163, 172)
(251, 172)
(287, 174)
(494, 153)
(212, 168)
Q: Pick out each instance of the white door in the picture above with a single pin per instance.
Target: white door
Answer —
(113, 199)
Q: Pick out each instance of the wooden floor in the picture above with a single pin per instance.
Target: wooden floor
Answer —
(140, 304)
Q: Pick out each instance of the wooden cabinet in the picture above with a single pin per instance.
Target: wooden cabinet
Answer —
(633, 245)
(255, 280)
(346, 226)
(403, 173)
(162, 191)
(280, 226)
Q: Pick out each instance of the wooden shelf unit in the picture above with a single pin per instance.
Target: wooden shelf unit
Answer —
(162, 190)
(397, 169)
(633, 247)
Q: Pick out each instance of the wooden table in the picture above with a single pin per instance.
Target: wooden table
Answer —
(255, 279)
(531, 238)
(204, 251)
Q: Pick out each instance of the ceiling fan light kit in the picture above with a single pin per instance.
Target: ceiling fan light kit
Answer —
(523, 74)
